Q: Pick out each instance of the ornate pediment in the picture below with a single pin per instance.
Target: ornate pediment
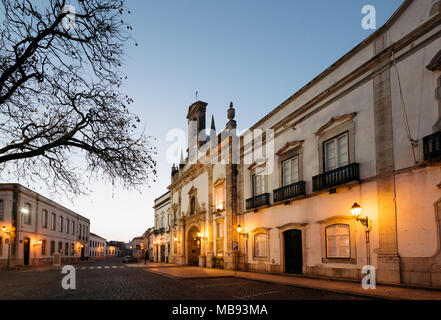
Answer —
(192, 190)
(292, 144)
(258, 163)
(334, 120)
(218, 181)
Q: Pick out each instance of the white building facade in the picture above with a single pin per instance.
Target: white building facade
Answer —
(364, 133)
(97, 247)
(161, 241)
(344, 174)
(35, 228)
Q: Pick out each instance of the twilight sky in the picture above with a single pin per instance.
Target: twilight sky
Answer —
(255, 53)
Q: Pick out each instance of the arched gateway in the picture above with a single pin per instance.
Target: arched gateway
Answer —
(193, 246)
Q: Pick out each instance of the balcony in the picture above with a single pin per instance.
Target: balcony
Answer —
(156, 232)
(432, 147)
(258, 201)
(290, 191)
(161, 230)
(218, 208)
(336, 177)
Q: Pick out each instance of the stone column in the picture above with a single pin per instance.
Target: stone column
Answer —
(211, 238)
(388, 260)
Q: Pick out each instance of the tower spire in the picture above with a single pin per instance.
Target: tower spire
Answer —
(213, 126)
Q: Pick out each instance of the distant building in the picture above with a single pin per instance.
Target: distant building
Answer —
(117, 247)
(148, 242)
(98, 246)
(161, 234)
(35, 228)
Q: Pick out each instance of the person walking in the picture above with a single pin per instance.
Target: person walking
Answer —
(146, 256)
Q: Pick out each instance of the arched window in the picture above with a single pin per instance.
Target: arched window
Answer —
(53, 220)
(67, 226)
(192, 206)
(60, 224)
(338, 244)
(44, 219)
(2, 217)
(27, 213)
(260, 244)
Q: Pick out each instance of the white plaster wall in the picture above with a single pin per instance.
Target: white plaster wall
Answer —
(417, 193)
(201, 184)
(314, 209)
(416, 14)
(418, 86)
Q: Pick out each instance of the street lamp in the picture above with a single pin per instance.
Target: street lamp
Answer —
(356, 212)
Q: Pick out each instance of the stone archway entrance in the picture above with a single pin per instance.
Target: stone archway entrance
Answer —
(193, 246)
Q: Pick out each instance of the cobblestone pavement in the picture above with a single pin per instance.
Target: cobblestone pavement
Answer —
(110, 279)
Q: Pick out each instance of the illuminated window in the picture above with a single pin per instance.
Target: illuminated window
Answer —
(219, 197)
(338, 241)
(43, 248)
(260, 242)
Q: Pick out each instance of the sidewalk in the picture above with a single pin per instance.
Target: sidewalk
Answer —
(348, 287)
(150, 265)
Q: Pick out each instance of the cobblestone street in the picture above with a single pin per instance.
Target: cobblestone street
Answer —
(110, 279)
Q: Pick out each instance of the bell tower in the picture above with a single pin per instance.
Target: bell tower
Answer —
(196, 123)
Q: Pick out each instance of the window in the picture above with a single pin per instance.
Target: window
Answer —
(192, 205)
(60, 247)
(290, 171)
(336, 152)
(73, 228)
(219, 230)
(219, 199)
(27, 214)
(44, 219)
(72, 249)
(258, 184)
(67, 226)
(338, 241)
(260, 245)
(52, 248)
(66, 249)
(43, 248)
(60, 224)
(53, 219)
(2, 215)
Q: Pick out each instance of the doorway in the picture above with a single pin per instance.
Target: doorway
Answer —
(293, 251)
(26, 251)
(82, 252)
(193, 246)
(162, 253)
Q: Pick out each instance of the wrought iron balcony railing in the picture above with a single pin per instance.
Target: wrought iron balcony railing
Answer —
(432, 147)
(258, 201)
(336, 177)
(290, 191)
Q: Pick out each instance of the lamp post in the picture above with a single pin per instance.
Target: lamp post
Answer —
(9, 243)
(356, 212)
(246, 236)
